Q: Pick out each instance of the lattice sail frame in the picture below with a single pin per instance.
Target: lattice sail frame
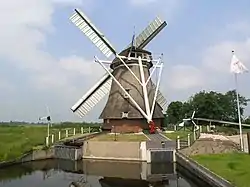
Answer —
(149, 110)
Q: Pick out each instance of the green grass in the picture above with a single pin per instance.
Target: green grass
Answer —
(16, 140)
(181, 133)
(120, 137)
(234, 167)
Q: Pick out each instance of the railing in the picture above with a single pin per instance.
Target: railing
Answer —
(68, 133)
(183, 142)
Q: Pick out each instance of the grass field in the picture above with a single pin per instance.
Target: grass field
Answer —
(16, 140)
(121, 137)
(234, 167)
(181, 133)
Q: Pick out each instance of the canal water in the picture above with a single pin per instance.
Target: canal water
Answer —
(65, 173)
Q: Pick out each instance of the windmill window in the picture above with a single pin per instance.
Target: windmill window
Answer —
(140, 54)
(125, 95)
(124, 114)
(132, 55)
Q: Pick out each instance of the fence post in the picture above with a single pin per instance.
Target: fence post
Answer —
(248, 142)
(200, 127)
(207, 128)
(52, 138)
(47, 141)
(81, 130)
(89, 130)
(178, 143)
(67, 133)
(174, 127)
(59, 135)
(194, 136)
(188, 140)
(74, 131)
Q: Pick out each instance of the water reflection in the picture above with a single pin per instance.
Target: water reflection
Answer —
(64, 173)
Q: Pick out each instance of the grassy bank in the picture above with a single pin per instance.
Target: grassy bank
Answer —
(233, 167)
(181, 134)
(16, 140)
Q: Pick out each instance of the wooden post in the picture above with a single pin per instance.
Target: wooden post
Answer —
(47, 141)
(74, 131)
(188, 140)
(52, 138)
(81, 130)
(248, 141)
(178, 143)
(89, 130)
(59, 135)
(67, 133)
(175, 128)
(194, 136)
(200, 127)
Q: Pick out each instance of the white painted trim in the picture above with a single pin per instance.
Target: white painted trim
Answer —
(129, 69)
(129, 65)
(154, 67)
(123, 89)
(156, 91)
(144, 89)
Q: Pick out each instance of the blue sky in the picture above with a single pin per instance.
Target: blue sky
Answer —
(46, 60)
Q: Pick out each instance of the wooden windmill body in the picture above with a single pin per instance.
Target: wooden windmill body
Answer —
(134, 101)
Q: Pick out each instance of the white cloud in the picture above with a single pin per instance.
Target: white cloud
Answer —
(217, 57)
(80, 65)
(168, 9)
(183, 77)
(212, 69)
(24, 28)
(23, 36)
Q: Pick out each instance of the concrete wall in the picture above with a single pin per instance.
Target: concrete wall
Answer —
(112, 150)
(35, 155)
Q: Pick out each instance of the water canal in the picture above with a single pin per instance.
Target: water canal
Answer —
(65, 173)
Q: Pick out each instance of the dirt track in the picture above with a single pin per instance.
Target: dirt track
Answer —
(211, 144)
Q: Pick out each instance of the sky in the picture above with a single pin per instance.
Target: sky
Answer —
(46, 61)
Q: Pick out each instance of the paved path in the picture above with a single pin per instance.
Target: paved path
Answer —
(157, 137)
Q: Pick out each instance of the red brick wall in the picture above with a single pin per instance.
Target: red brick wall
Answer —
(128, 125)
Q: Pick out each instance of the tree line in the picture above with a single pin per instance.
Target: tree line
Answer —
(211, 105)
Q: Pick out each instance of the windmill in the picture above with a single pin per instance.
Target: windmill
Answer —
(48, 118)
(134, 101)
(189, 122)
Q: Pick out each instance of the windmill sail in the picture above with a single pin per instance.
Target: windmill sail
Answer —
(93, 96)
(97, 93)
(96, 37)
(160, 99)
(149, 33)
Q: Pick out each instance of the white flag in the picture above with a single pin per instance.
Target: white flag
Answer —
(237, 66)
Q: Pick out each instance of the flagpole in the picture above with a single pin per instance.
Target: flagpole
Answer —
(239, 115)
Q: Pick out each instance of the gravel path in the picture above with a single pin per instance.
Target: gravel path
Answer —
(236, 139)
(211, 144)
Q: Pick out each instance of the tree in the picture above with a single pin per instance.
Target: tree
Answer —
(231, 105)
(174, 112)
(211, 105)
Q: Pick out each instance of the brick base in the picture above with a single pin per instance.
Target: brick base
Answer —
(128, 125)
